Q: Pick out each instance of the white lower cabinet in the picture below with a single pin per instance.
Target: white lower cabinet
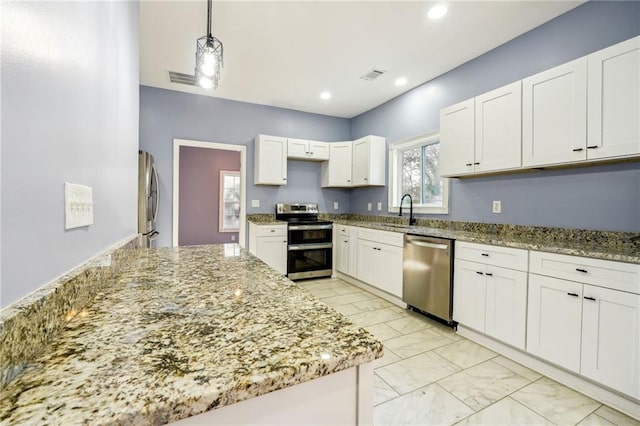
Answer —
(379, 263)
(469, 297)
(345, 252)
(269, 243)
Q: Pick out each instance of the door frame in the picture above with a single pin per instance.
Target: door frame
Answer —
(242, 149)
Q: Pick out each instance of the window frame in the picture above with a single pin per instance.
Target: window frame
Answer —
(394, 177)
(221, 201)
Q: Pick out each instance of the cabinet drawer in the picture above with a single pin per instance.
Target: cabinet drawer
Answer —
(271, 230)
(603, 273)
(368, 234)
(392, 238)
(343, 230)
(505, 257)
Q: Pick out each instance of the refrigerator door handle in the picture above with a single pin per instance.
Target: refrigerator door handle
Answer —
(154, 170)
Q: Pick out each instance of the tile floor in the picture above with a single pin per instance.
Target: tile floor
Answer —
(431, 376)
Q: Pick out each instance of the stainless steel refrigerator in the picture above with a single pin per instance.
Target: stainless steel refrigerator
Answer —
(148, 198)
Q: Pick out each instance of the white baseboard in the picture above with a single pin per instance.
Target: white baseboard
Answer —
(383, 294)
(611, 398)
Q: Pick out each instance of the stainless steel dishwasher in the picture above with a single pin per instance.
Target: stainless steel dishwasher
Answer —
(428, 275)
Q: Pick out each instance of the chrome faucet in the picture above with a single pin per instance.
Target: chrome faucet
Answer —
(412, 220)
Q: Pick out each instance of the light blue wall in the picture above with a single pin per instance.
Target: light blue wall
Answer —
(606, 197)
(166, 114)
(70, 113)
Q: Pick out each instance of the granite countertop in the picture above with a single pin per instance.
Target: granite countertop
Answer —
(590, 249)
(178, 332)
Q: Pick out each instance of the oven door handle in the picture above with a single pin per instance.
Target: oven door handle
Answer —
(297, 247)
(309, 227)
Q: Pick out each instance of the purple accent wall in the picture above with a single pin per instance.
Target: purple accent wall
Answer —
(200, 194)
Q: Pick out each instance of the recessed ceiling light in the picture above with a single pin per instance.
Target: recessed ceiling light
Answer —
(438, 11)
(401, 81)
(325, 95)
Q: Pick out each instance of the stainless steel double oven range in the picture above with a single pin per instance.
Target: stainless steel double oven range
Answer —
(310, 241)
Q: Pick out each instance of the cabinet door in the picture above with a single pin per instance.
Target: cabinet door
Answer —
(353, 251)
(554, 115)
(389, 278)
(270, 162)
(367, 268)
(614, 101)
(499, 129)
(342, 255)
(611, 339)
(506, 307)
(273, 252)
(318, 150)
(360, 171)
(469, 294)
(297, 148)
(554, 320)
(337, 171)
(457, 138)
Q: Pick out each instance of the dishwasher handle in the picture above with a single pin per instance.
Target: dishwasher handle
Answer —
(429, 245)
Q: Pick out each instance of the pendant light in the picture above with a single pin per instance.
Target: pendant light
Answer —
(209, 60)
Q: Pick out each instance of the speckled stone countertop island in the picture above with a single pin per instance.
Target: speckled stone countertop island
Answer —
(181, 331)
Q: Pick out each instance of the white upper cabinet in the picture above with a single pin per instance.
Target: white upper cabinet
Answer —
(554, 115)
(337, 171)
(614, 101)
(498, 129)
(270, 160)
(301, 149)
(369, 161)
(457, 132)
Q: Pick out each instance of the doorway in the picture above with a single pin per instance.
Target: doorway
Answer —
(209, 187)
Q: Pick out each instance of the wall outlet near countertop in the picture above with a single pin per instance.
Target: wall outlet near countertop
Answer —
(78, 205)
(255, 203)
(497, 206)
(335, 205)
(379, 206)
(369, 206)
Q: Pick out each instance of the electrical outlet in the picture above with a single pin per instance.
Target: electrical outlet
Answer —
(497, 206)
(379, 206)
(233, 238)
(335, 205)
(78, 206)
(255, 203)
(369, 206)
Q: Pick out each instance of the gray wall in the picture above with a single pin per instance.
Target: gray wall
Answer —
(70, 113)
(606, 197)
(200, 195)
(166, 114)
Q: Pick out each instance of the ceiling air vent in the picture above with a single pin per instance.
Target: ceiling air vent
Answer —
(372, 75)
(180, 78)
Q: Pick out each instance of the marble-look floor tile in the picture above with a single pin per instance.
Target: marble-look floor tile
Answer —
(387, 358)
(595, 420)
(464, 353)
(505, 412)
(517, 368)
(345, 298)
(373, 304)
(483, 384)
(382, 331)
(320, 293)
(555, 402)
(382, 392)
(347, 309)
(447, 332)
(409, 324)
(430, 405)
(412, 344)
(374, 317)
(616, 417)
(420, 370)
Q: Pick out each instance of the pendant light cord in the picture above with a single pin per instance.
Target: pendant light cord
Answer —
(209, 18)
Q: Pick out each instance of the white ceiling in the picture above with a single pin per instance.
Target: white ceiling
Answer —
(285, 53)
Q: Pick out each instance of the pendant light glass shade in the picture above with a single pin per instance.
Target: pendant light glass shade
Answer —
(209, 57)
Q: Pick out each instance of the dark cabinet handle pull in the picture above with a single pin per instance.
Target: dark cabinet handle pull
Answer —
(577, 149)
(476, 164)
(489, 274)
(485, 254)
(593, 147)
(479, 273)
(590, 298)
(573, 294)
(469, 164)
(345, 241)
(584, 271)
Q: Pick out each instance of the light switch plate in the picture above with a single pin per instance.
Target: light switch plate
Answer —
(78, 205)
(497, 206)
(255, 203)
(379, 206)
(335, 205)
(369, 206)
